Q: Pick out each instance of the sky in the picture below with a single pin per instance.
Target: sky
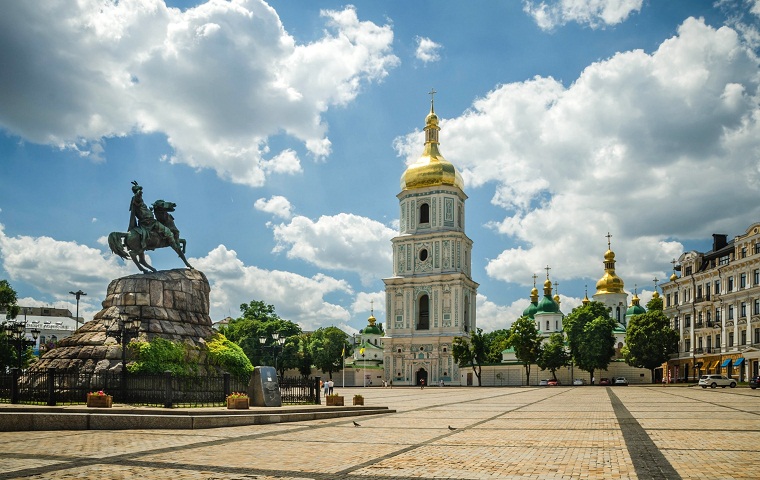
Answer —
(281, 131)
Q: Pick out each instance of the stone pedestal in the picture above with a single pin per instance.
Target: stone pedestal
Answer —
(171, 304)
(263, 388)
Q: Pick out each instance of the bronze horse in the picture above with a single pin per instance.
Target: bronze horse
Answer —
(133, 240)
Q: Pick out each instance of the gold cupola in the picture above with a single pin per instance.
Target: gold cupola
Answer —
(431, 168)
(609, 283)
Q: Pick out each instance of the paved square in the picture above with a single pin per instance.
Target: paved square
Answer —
(637, 432)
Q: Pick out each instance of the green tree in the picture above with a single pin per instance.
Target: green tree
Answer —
(8, 354)
(305, 361)
(326, 349)
(525, 340)
(496, 342)
(8, 299)
(649, 341)
(554, 355)
(589, 334)
(655, 303)
(471, 352)
(260, 320)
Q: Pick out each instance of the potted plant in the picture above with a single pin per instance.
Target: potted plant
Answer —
(334, 400)
(358, 400)
(237, 401)
(99, 399)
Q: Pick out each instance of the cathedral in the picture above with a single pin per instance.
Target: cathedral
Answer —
(431, 297)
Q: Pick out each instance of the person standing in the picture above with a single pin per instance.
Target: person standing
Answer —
(331, 385)
(326, 388)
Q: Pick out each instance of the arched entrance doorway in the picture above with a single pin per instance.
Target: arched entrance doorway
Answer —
(422, 374)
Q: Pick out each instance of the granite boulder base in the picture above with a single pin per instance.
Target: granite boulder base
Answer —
(171, 304)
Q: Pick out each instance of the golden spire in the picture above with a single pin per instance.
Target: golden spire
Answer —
(655, 294)
(586, 301)
(534, 292)
(556, 292)
(372, 318)
(431, 168)
(674, 277)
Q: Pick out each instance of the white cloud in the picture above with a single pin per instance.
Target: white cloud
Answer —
(217, 79)
(427, 50)
(549, 14)
(276, 205)
(365, 302)
(295, 297)
(646, 146)
(344, 242)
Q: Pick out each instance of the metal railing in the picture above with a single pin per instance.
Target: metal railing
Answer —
(52, 387)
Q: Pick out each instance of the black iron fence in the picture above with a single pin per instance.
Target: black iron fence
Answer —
(52, 387)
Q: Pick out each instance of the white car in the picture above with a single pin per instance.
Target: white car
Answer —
(620, 381)
(579, 381)
(543, 383)
(713, 381)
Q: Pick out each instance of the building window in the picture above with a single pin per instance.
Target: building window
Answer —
(716, 290)
(756, 275)
(756, 308)
(723, 260)
(730, 284)
(717, 314)
(717, 343)
(687, 321)
(675, 298)
(707, 291)
(675, 322)
(744, 337)
(743, 280)
(425, 213)
(757, 247)
(423, 319)
(667, 300)
(744, 252)
(699, 293)
(688, 270)
(699, 318)
(687, 345)
(730, 312)
(743, 312)
(547, 325)
(730, 339)
(757, 335)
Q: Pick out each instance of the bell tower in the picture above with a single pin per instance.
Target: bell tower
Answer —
(431, 297)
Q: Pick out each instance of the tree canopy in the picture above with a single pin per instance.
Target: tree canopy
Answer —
(327, 348)
(554, 355)
(526, 342)
(589, 335)
(471, 352)
(649, 340)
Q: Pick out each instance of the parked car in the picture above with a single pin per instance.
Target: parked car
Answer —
(543, 383)
(620, 381)
(754, 382)
(713, 381)
(553, 383)
(579, 381)
(604, 381)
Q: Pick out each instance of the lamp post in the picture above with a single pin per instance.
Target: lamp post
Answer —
(123, 329)
(279, 341)
(15, 334)
(79, 293)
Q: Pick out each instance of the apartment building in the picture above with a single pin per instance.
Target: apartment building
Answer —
(714, 305)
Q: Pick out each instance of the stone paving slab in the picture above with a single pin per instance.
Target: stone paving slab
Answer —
(501, 433)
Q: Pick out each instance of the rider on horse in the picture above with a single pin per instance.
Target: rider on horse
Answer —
(141, 219)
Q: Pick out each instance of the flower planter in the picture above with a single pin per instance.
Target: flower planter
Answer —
(334, 400)
(358, 400)
(240, 403)
(99, 401)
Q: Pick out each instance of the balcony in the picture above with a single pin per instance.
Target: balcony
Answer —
(699, 324)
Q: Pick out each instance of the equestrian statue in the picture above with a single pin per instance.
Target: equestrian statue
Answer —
(147, 232)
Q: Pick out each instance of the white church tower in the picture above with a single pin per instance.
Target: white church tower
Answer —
(430, 299)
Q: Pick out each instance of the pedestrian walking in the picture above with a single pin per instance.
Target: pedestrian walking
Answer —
(326, 388)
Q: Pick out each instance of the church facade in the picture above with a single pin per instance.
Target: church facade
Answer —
(431, 297)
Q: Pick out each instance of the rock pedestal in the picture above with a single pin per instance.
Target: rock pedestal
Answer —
(171, 304)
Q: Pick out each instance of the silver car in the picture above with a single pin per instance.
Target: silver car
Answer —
(713, 381)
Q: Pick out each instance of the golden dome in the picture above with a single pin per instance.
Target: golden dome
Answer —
(673, 277)
(431, 168)
(609, 283)
(655, 294)
(534, 294)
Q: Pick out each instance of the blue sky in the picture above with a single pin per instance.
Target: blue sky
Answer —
(281, 130)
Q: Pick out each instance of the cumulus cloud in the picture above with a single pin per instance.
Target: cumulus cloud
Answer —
(297, 298)
(427, 50)
(217, 79)
(646, 146)
(550, 14)
(344, 242)
(277, 205)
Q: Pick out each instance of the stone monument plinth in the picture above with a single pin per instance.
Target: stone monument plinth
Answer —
(171, 304)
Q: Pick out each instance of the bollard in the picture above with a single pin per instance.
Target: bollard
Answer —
(316, 387)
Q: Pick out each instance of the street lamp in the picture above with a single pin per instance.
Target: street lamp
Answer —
(79, 293)
(278, 343)
(15, 334)
(123, 329)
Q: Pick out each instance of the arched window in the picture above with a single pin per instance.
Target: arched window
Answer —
(423, 312)
(466, 314)
(425, 213)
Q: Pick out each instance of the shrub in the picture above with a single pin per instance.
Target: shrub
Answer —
(160, 355)
(229, 356)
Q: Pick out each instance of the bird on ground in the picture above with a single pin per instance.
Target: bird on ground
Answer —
(452, 428)
(356, 425)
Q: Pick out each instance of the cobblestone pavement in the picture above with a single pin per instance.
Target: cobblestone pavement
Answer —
(637, 432)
